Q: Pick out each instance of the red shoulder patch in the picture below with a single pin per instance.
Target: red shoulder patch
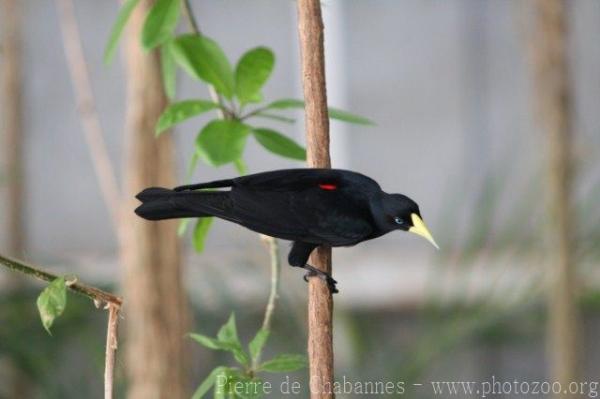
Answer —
(328, 186)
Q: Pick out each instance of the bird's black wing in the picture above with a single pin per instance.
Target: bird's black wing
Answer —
(296, 179)
(320, 206)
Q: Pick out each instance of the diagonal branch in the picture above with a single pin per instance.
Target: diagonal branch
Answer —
(93, 293)
(87, 108)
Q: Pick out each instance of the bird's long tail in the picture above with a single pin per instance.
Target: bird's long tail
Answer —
(161, 203)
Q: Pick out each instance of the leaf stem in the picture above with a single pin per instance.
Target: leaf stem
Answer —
(255, 112)
(93, 293)
(274, 292)
(275, 273)
(193, 23)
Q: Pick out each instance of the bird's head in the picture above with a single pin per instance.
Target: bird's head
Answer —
(403, 214)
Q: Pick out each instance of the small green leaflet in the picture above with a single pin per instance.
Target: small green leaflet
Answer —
(279, 144)
(334, 113)
(203, 59)
(117, 30)
(257, 344)
(168, 70)
(228, 333)
(52, 302)
(274, 117)
(222, 141)
(212, 343)
(200, 232)
(180, 111)
(160, 23)
(240, 166)
(252, 72)
(284, 363)
(227, 340)
(208, 383)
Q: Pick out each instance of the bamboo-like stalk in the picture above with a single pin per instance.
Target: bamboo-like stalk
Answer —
(320, 300)
(158, 314)
(554, 110)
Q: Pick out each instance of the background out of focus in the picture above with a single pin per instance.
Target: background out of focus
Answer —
(451, 88)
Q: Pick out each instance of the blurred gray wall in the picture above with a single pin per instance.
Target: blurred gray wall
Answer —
(446, 82)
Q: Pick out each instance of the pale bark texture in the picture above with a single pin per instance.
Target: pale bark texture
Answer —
(554, 110)
(12, 124)
(320, 301)
(156, 312)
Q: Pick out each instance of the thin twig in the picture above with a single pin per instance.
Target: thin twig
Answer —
(111, 348)
(275, 272)
(95, 294)
(274, 292)
(193, 23)
(87, 108)
(112, 303)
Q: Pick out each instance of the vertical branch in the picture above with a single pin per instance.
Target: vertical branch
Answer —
(86, 105)
(12, 114)
(111, 348)
(554, 111)
(320, 301)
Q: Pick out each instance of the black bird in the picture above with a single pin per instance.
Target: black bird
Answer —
(310, 207)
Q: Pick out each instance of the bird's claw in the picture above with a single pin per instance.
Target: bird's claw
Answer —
(331, 282)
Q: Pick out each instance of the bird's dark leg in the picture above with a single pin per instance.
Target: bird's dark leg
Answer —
(298, 257)
(313, 271)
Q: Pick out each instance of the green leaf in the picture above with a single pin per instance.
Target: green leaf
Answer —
(183, 225)
(204, 59)
(275, 117)
(252, 72)
(52, 302)
(212, 343)
(160, 23)
(228, 331)
(286, 103)
(284, 363)
(168, 70)
(344, 116)
(220, 392)
(200, 232)
(258, 343)
(208, 383)
(279, 144)
(228, 334)
(180, 111)
(240, 166)
(222, 141)
(192, 166)
(334, 113)
(117, 29)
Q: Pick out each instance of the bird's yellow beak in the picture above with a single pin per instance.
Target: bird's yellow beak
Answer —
(419, 228)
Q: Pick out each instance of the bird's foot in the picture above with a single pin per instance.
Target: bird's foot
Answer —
(314, 272)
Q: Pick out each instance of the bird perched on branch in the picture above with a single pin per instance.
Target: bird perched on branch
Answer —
(310, 207)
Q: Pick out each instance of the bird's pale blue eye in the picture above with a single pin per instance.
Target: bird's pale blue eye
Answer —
(398, 220)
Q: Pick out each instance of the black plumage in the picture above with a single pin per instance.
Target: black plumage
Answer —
(310, 207)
